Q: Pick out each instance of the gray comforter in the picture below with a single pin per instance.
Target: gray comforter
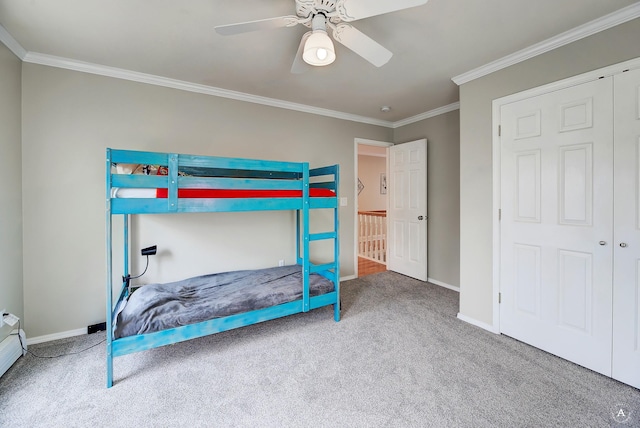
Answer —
(157, 307)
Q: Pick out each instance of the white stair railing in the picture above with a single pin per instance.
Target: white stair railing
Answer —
(372, 235)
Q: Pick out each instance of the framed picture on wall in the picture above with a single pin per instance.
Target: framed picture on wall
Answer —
(383, 183)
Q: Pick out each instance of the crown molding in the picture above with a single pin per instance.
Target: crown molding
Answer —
(11, 43)
(597, 25)
(426, 115)
(134, 76)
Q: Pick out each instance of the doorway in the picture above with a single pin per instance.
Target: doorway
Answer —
(370, 206)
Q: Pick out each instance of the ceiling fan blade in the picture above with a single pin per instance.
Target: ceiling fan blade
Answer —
(262, 24)
(362, 44)
(350, 10)
(299, 65)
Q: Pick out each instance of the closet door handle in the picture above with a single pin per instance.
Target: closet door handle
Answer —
(602, 243)
(623, 244)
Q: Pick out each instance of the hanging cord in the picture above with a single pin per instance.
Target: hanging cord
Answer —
(44, 356)
(128, 278)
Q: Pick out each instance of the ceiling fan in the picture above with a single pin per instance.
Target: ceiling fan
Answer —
(316, 48)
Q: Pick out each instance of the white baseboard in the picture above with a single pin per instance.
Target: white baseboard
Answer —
(56, 336)
(443, 284)
(347, 278)
(477, 323)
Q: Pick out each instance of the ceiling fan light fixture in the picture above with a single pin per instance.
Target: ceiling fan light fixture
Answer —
(318, 49)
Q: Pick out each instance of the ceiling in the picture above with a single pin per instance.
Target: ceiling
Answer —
(175, 40)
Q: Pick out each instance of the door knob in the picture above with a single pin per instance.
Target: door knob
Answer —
(602, 242)
(420, 217)
(623, 244)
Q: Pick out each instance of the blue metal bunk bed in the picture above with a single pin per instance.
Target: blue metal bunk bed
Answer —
(296, 186)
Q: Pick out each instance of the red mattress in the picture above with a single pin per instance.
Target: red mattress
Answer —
(245, 193)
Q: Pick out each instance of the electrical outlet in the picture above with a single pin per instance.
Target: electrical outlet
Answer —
(10, 319)
(101, 326)
(280, 262)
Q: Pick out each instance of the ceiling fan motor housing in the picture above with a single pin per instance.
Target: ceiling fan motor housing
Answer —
(310, 8)
(304, 8)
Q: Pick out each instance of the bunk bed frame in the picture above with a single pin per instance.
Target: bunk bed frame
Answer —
(207, 172)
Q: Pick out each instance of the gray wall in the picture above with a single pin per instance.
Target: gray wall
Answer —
(369, 170)
(606, 48)
(443, 191)
(11, 190)
(69, 118)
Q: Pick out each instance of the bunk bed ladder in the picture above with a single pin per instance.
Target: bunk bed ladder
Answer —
(331, 270)
(304, 238)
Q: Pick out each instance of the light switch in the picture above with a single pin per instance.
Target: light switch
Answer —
(343, 202)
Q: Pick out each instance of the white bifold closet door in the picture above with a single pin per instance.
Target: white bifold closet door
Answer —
(556, 226)
(570, 226)
(626, 243)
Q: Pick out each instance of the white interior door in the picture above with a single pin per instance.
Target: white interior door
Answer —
(557, 219)
(407, 209)
(626, 243)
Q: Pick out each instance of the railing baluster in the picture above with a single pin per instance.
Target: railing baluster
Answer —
(372, 235)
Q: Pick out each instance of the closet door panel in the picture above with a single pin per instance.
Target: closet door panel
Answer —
(626, 283)
(556, 201)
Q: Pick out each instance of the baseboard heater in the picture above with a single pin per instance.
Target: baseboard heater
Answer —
(11, 350)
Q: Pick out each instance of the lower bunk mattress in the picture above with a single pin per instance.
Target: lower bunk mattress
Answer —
(157, 307)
